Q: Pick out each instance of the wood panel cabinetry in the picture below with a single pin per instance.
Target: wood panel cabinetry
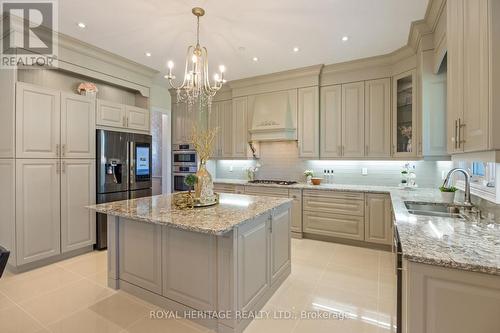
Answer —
(296, 212)
(378, 219)
(331, 122)
(405, 115)
(122, 116)
(221, 117)
(308, 124)
(353, 119)
(137, 118)
(378, 118)
(239, 128)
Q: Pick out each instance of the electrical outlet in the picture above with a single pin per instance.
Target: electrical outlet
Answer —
(364, 171)
(230, 168)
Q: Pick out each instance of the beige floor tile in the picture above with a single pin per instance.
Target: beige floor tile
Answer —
(276, 321)
(353, 279)
(15, 320)
(29, 286)
(353, 256)
(56, 305)
(101, 278)
(120, 309)
(5, 302)
(84, 321)
(147, 325)
(292, 295)
(88, 265)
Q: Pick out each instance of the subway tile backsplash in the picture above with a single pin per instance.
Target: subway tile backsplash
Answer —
(279, 160)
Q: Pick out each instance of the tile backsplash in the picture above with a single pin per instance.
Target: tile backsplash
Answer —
(279, 160)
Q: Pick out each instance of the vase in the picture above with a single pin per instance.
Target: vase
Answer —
(448, 197)
(309, 180)
(204, 187)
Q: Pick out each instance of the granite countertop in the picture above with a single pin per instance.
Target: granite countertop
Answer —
(232, 210)
(447, 242)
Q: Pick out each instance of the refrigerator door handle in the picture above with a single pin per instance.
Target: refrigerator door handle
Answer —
(131, 159)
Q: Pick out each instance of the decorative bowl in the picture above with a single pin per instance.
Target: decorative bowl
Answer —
(316, 181)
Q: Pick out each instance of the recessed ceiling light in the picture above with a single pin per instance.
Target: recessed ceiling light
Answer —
(82, 25)
(255, 59)
(296, 49)
(148, 54)
(345, 38)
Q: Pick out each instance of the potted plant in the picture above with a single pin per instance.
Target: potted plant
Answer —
(448, 193)
(309, 174)
(190, 181)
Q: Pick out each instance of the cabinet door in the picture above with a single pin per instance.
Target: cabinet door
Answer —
(334, 225)
(226, 128)
(37, 209)
(308, 122)
(378, 219)
(280, 244)
(455, 72)
(38, 122)
(378, 118)
(111, 114)
(296, 211)
(331, 122)
(476, 76)
(7, 206)
(404, 115)
(213, 122)
(353, 119)
(138, 118)
(178, 120)
(77, 126)
(240, 127)
(77, 191)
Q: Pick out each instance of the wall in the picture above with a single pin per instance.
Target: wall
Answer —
(280, 160)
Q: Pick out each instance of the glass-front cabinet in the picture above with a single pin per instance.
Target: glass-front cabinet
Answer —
(404, 115)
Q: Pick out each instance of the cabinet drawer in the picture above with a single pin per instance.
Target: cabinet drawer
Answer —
(335, 225)
(224, 188)
(335, 202)
(266, 191)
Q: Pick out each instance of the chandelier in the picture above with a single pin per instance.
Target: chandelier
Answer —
(196, 85)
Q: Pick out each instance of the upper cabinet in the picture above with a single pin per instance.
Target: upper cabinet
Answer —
(308, 107)
(473, 36)
(111, 114)
(353, 119)
(240, 127)
(221, 117)
(331, 121)
(184, 119)
(378, 118)
(38, 122)
(51, 124)
(405, 115)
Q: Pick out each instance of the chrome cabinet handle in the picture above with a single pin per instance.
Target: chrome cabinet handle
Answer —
(460, 126)
(456, 133)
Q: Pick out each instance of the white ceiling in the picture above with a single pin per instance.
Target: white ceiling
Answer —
(235, 31)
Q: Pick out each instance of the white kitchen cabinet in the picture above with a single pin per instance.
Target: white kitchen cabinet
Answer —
(353, 119)
(280, 244)
(308, 124)
(405, 114)
(138, 118)
(179, 118)
(213, 122)
(38, 121)
(226, 129)
(378, 219)
(296, 211)
(111, 114)
(77, 126)
(378, 118)
(38, 223)
(331, 122)
(7, 206)
(239, 127)
(77, 191)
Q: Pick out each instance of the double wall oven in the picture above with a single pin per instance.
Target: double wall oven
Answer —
(185, 162)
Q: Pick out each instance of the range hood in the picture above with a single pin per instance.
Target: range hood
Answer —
(274, 116)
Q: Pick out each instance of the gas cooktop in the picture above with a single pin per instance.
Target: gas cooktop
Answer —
(268, 181)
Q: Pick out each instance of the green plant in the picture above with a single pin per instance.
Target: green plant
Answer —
(308, 173)
(190, 180)
(448, 189)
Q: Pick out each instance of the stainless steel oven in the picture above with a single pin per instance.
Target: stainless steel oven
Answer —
(184, 162)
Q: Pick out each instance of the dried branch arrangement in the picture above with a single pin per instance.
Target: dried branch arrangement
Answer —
(203, 141)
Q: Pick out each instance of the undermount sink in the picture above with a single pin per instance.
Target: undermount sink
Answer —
(435, 209)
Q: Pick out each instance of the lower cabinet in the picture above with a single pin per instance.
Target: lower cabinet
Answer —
(378, 219)
(296, 195)
(280, 244)
(38, 220)
(136, 242)
(77, 191)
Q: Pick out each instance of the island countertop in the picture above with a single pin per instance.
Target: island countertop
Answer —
(232, 210)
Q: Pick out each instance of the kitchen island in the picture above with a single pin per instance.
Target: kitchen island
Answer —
(216, 265)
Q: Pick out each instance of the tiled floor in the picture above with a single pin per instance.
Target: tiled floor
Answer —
(71, 296)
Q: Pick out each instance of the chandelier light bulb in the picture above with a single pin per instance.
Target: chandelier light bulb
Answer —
(216, 78)
(194, 59)
(222, 68)
(170, 64)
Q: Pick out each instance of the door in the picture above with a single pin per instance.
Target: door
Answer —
(353, 119)
(240, 127)
(226, 128)
(77, 126)
(476, 76)
(308, 122)
(138, 118)
(455, 72)
(331, 122)
(38, 122)
(378, 118)
(404, 115)
(38, 223)
(378, 219)
(78, 226)
(111, 114)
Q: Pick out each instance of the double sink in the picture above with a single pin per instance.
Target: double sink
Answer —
(438, 210)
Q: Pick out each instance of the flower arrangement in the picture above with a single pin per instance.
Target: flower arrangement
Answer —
(309, 173)
(203, 144)
(251, 171)
(405, 131)
(87, 88)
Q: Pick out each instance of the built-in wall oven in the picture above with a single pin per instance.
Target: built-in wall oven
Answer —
(184, 162)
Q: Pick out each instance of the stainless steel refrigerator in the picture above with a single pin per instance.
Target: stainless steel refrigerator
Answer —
(123, 171)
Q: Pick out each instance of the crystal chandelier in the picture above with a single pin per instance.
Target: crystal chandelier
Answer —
(196, 85)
